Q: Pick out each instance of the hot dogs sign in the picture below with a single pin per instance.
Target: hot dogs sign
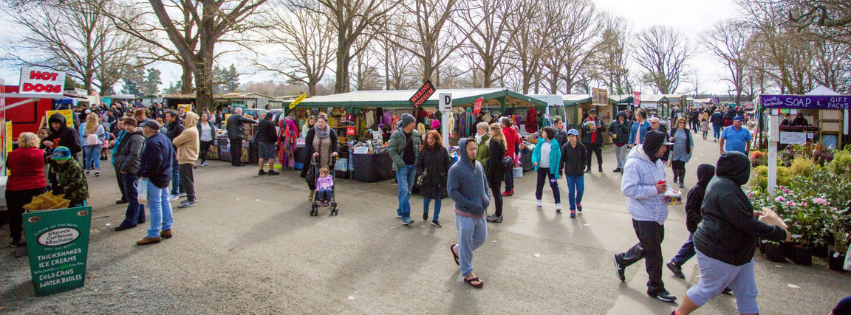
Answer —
(44, 82)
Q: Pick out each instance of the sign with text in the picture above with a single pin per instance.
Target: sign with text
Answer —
(422, 95)
(477, 106)
(350, 131)
(69, 116)
(788, 137)
(805, 101)
(298, 100)
(58, 246)
(445, 103)
(45, 82)
(599, 96)
(186, 107)
(636, 98)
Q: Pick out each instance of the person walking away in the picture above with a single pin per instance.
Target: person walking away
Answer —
(267, 144)
(717, 121)
(638, 129)
(324, 186)
(546, 158)
(187, 144)
(694, 119)
(129, 155)
(704, 126)
(72, 182)
(94, 135)
(482, 140)
(561, 134)
(119, 136)
(155, 172)
(173, 128)
(619, 130)
(236, 132)
(433, 164)
(320, 142)
(736, 138)
(572, 165)
(726, 239)
(404, 146)
(512, 143)
(467, 186)
(683, 145)
(705, 173)
(26, 180)
(644, 186)
(207, 131)
(592, 138)
(495, 169)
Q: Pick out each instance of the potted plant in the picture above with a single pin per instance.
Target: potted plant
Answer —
(774, 251)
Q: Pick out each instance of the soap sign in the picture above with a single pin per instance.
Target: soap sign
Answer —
(58, 247)
(45, 82)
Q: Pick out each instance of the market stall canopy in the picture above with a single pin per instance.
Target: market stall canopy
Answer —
(621, 99)
(122, 96)
(823, 90)
(706, 101)
(576, 99)
(399, 98)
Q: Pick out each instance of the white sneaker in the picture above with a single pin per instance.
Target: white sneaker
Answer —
(540, 203)
(558, 206)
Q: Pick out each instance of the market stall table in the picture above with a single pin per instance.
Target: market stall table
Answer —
(372, 167)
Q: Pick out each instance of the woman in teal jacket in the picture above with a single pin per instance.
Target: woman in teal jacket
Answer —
(546, 157)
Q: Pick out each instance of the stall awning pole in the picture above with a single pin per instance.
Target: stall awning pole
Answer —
(773, 138)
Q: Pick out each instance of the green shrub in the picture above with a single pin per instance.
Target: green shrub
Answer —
(802, 167)
(841, 164)
(761, 170)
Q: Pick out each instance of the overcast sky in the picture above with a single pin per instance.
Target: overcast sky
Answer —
(689, 17)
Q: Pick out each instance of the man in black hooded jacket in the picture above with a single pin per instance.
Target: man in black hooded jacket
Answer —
(61, 135)
(705, 172)
(727, 237)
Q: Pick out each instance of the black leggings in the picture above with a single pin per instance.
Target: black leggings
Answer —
(543, 175)
(205, 147)
(496, 194)
(15, 201)
(679, 168)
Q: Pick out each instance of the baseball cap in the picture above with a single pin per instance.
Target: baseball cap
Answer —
(739, 118)
(573, 132)
(61, 154)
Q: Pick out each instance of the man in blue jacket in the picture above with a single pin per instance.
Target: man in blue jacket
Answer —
(155, 172)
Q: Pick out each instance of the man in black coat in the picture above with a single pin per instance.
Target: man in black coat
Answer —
(61, 136)
(592, 138)
(267, 140)
(705, 173)
(236, 132)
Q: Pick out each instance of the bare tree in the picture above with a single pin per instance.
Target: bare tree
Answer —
(351, 20)
(365, 69)
(74, 36)
(728, 41)
(490, 25)
(532, 43)
(574, 27)
(611, 59)
(214, 19)
(306, 37)
(398, 61)
(662, 52)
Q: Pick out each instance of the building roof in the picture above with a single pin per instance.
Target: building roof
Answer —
(652, 98)
(400, 98)
(186, 96)
(240, 96)
(573, 99)
(621, 99)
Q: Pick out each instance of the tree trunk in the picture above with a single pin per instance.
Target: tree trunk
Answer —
(186, 80)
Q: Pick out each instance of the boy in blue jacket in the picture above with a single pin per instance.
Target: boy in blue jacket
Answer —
(468, 187)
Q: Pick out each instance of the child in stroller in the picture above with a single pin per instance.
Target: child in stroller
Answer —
(324, 187)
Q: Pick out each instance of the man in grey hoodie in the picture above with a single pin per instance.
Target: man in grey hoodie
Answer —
(467, 186)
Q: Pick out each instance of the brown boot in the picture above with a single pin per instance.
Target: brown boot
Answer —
(148, 241)
(166, 234)
(310, 196)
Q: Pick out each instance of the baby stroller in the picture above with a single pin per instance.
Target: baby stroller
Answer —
(312, 175)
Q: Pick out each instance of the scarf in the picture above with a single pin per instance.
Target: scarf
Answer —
(593, 133)
(322, 134)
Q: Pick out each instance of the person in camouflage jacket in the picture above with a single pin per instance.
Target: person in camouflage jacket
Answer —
(72, 182)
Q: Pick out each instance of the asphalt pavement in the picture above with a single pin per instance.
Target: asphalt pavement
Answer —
(251, 247)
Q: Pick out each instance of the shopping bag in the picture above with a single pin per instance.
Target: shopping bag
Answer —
(142, 190)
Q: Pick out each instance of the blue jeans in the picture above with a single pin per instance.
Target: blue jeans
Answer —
(92, 156)
(405, 177)
(471, 234)
(686, 252)
(324, 195)
(175, 177)
(160, 208)
(426, 201)
(716, 129)
(135, 212)
(575, 190)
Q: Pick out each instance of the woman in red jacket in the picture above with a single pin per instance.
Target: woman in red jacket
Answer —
(26, 180)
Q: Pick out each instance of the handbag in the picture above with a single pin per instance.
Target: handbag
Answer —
(508, 162)
(421, 178)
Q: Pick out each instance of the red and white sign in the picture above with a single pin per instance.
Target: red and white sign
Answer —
(45, 82)
(350, 131)
(477, 106)
(636, 98)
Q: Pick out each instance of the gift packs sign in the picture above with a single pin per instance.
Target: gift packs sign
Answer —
(58, 245)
